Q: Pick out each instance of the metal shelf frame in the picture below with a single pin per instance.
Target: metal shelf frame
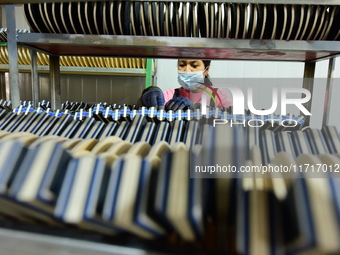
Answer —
(169, 47)
(178, 47)
(85, 70)
(148, 73)
(308, 52)
(324, 2)
(39, 244)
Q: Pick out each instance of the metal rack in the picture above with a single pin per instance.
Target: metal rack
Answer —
(87, 70)
(54, 66)
(324, 2)
(308, 52)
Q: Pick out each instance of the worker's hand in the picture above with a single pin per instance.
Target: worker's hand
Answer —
(178, 103)
(153, 98)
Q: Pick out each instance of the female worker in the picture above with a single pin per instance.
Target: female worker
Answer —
(194, 80)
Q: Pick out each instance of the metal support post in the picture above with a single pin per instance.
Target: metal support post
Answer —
(55, 82)
(2, 86)
(308, 83)
(35, 78)
(12, 55)
(328, 93)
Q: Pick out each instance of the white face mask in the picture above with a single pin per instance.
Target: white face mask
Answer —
(190, 80)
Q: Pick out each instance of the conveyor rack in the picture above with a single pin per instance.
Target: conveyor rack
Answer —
(308, 52)
(305, 51)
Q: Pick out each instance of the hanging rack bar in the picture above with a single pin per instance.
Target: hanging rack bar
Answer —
(35, 78)
(308, 83)
(309, 2)
(55, 82)
(178, 47)
(328, 93)
(12, 55)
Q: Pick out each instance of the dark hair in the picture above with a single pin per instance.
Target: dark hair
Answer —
(206, 62)
(207, 78)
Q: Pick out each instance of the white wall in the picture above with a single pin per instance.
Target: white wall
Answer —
(20, 20)
(262, 76)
